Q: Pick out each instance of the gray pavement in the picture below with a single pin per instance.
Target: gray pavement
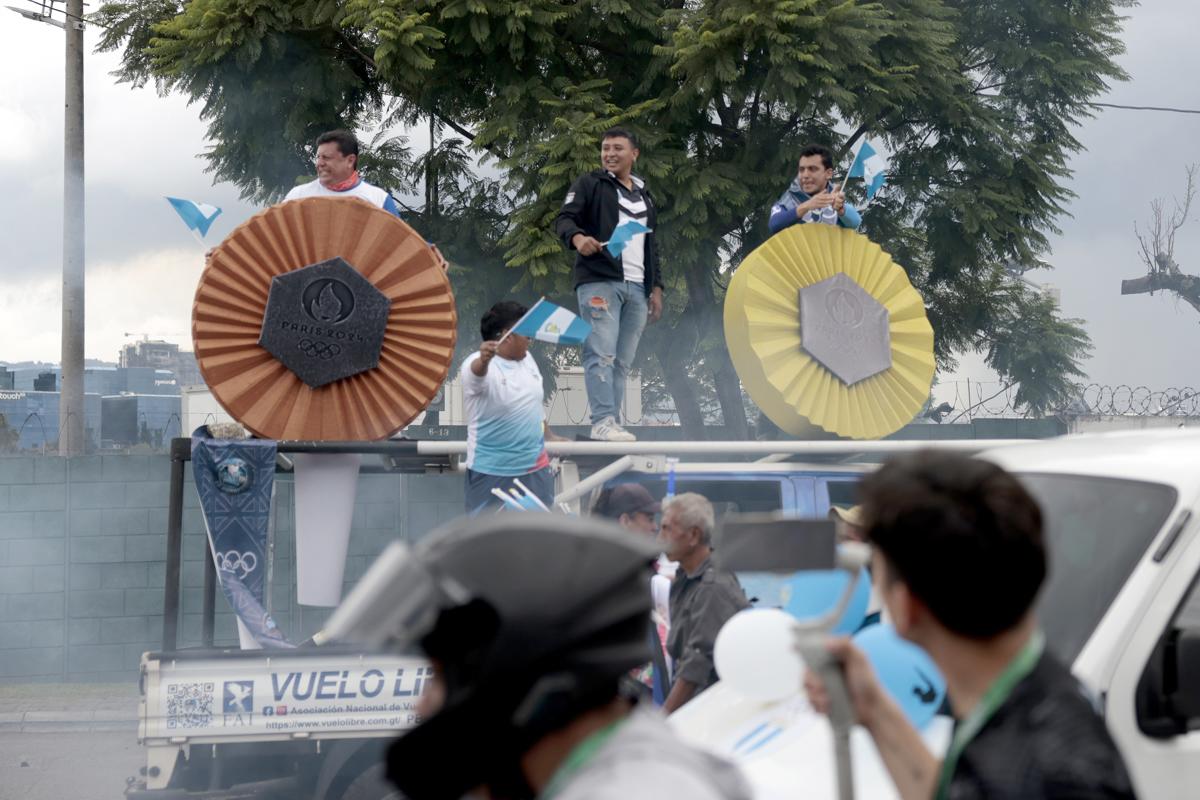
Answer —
(71, 765)
(68, 707)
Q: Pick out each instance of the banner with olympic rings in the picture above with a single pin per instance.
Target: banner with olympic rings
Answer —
(235, 479)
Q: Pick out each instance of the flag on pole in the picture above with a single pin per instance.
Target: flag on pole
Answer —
(622, 235)
(547, 322)
(197, 216)
(870, 166)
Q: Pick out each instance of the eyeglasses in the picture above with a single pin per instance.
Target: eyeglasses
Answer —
(324, 159)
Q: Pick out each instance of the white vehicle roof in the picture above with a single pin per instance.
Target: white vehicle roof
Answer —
(1170, 457)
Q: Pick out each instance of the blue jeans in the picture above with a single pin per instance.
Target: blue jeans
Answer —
(617, 313)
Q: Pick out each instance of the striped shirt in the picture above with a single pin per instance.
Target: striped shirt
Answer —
(631, 204)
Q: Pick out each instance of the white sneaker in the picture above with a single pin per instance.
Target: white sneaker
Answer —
(607, 430)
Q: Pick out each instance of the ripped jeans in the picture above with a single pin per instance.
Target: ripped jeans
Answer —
(617, 313)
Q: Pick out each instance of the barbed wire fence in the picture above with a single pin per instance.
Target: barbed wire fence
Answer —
(973, 399)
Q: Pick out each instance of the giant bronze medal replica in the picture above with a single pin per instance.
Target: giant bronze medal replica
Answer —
(825, 329)
(325, 319)
(319, 319)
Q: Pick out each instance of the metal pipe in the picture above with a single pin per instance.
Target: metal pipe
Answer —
(399, 447)
(170, 639)
(839, 448)
(208, 619)
(597, 478)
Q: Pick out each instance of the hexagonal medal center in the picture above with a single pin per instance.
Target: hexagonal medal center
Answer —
(845, 329)
(325, 322)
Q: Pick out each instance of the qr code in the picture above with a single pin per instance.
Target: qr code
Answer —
(189, 705)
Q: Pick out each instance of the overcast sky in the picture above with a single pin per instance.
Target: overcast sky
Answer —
(142, 264)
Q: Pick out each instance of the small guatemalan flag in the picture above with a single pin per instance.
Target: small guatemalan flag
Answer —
(197, 216)
(547, 322)
(871, 167)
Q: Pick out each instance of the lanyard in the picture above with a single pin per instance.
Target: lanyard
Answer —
(580, 755)
(992, 699)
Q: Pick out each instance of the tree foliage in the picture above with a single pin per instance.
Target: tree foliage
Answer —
(975, 98)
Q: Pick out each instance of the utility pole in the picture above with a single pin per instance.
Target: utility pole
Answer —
(70, 408)
(70, 396)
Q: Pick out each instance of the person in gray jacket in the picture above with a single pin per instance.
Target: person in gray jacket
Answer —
(533, 623)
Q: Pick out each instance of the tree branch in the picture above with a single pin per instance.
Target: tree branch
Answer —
(466, 132)
(1185, 286)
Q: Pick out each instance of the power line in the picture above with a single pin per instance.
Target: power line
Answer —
(1148, 108)
(1168, 109)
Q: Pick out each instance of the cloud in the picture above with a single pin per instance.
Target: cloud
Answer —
(148, 294)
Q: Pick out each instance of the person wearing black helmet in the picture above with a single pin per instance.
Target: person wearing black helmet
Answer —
(532, 622)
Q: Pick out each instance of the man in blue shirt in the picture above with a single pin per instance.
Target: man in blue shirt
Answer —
(812, 197)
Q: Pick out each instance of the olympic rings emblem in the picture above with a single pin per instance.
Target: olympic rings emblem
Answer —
(317, 349)
(232, 561)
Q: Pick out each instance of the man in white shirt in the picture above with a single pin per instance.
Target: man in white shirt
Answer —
(506, 428)
(337, 174)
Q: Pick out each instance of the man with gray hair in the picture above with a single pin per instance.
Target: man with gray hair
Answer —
(703, 596)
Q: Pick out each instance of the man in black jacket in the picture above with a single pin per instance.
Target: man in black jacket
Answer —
(618, 294)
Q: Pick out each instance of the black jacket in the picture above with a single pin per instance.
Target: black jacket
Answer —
(591, 208)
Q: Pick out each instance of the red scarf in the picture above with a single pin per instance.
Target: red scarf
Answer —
(346, 184)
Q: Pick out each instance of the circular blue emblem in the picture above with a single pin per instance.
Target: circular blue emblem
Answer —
(233, 475)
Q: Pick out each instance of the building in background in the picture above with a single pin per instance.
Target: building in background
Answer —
(35, 416)
(160, 354)
(101, 380)
(128, 420)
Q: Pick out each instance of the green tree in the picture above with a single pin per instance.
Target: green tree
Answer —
(976, 98)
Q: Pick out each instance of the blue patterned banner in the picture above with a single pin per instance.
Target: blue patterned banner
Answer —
(235, 478)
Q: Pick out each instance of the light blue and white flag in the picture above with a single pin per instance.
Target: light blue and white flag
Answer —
(547, 322)
(622, 235)
(871, 167)
(197, 216)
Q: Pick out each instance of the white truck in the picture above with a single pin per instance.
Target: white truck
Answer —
(1122, 607)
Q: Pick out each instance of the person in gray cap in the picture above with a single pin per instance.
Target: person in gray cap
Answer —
(631, 506)
(532, 622)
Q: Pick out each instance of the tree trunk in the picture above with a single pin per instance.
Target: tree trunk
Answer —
(706, 309)
(729, 395)
(683, 391)
(1185, 286)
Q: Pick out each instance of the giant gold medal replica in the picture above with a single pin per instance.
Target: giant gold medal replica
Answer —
(324, 319)
(824, 328)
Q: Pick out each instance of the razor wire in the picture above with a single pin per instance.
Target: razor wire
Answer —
(993, 399)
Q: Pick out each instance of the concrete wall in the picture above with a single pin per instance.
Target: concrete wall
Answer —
(1105, 424)
(82, 549)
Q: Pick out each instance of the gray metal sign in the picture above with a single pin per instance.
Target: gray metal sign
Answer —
(325, 322)
(845, 329)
